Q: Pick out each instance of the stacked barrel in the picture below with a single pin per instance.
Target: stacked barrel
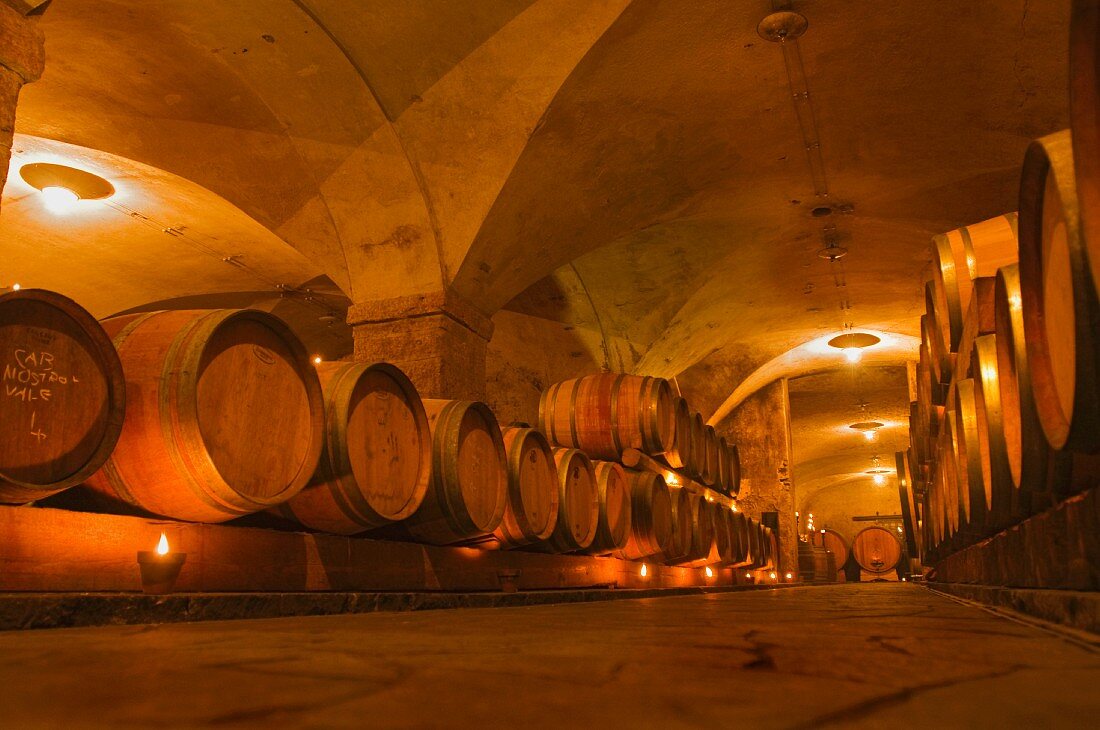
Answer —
(681, 475)
(1007, 417)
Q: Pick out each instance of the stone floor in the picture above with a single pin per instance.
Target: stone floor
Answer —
(870, 655)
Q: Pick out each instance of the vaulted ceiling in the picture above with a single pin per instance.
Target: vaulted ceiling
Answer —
(636, 168)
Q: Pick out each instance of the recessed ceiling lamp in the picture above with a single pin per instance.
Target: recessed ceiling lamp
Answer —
(63, 187)
(852, 344)
(869, 429)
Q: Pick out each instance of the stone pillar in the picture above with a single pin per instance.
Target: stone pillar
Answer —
(22, 58)
(761, 428)
(438, 339)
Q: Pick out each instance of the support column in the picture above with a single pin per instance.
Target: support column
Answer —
(761, 428)
(439, 340)
(22, 58)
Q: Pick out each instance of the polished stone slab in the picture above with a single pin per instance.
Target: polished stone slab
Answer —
(849, 655)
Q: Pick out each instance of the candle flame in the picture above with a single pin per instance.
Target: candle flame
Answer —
(710, 573)
(162, 546)
(645, 570)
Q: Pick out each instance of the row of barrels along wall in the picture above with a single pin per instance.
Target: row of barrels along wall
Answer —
(1007, 418)
(875, 552)
(608, 413)
(227, 416)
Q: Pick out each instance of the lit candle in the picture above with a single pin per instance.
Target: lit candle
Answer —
(159, 567)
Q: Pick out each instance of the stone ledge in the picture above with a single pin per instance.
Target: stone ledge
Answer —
(69, 610)
(1075, 609)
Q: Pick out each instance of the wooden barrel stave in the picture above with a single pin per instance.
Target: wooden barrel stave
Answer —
(651, 516)
(876, 550)
(613, 530)
(578, 503)
(531, 510)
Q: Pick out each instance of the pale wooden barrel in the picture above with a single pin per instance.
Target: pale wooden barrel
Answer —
(578, 503)
(959, 257)
(996, 473)
(908, 504)
(975, 496)
(469, 487)
(613, 529)
(940, 356)
(679, 456)
(650, 516)
(698, 464)
(376, 465)
(531, 510)
(64, 395)
(607, 413)
(1059, 298)
(1084, 87)
(1025, 444)
(225, 414)
(876, 550)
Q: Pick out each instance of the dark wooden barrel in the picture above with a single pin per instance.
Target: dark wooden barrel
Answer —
(876, 550)
(722, 473)
(1084, 92)
(835, 543)
(679, 456)
(578, 503)
(650, 516)
(225, 414)
(64, 397)
(376, 465)
(531, 510)
(613, 529)
(710, 444)
(680, 544)
(724, 552)
(1059, 300)
(469, 487)
(735, 470)
(701, 537)
(1025, 443)
(606, 413)
(940, 356)
(698, 464)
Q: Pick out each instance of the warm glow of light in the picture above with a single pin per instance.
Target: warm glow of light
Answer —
(903, 579)
(748, 575)
(317, 360)
(162, 546)
(645, 570)
(59, 200)
(733, 507)
(710, 573)
(870, 434)
(899, 528)
(672, 481)
(879, 479)
(771, 575)
(853, 354)
(789, 576)
(16, 287)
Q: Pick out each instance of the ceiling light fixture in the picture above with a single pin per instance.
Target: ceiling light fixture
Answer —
(869, 429)
(852, 344)
(63, 187)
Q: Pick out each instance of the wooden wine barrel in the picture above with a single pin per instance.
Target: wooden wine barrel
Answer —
(531, 510)
(613, 529)
(606, 413)
(908, 506)
(1025, 444)
(225, 414)
(650, 516)
(835, 543)
(710, 444)
(1084, 92)
(959, 257)
(996, 474)
(578, 503)
(735, 470)
(680, 545)
(698, 464)
(702, 528)
(940, 357)
(1059, 298)
(64, 398)
(679, 456)
(722, 474)
(876, 550)
(973, 496)
(739, 537)
(469, 487)
(724, 548)
(376, 465)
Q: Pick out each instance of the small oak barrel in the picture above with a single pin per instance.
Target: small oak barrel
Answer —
(756, 544)
(225, 416)
(680, 545)
(700, 538)
(975, 496)
(376, 465)
(1059, 298)
(835, 543)
(679, 456)
(724, 548)
(698, 463)
(739, 537)
(725, 470)
(650, 516)
(1024, 440)
(531, 511)
(578, 503)
(735, 470)
(607, 413)
(996, 473)
(63, 399)
(711, 471)
(959, 257)
(876, 550)
(469, 487)
(613, 529)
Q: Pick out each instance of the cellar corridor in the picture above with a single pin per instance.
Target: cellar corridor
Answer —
(852, 655)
